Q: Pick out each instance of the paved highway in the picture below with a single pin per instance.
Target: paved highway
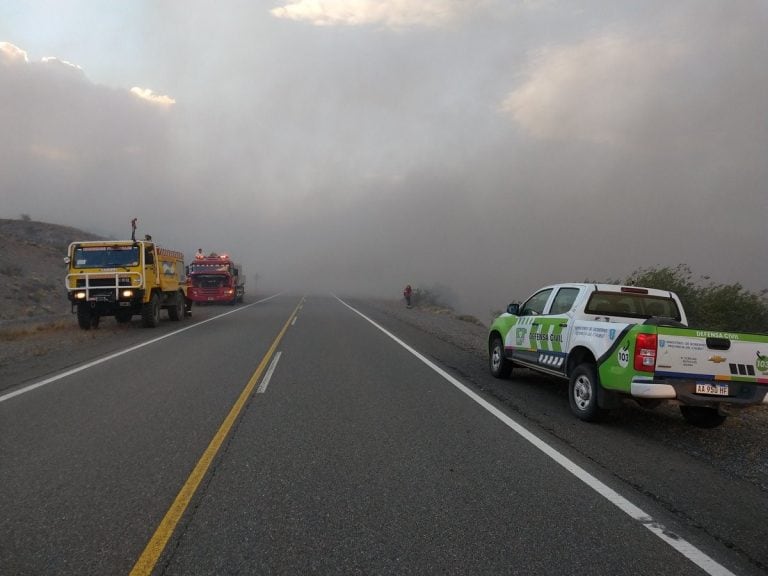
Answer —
(307, 435)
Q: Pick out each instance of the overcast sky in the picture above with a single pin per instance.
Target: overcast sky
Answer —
(484, 146)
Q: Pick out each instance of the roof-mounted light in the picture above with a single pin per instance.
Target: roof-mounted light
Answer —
(633, 290)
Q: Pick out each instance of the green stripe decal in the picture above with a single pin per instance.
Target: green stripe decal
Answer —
(543, 344)
(557, 339)
(534, 343)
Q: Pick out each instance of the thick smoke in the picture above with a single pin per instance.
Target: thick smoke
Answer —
(485, 147)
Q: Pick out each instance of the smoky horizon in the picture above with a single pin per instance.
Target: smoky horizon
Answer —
(480, 149)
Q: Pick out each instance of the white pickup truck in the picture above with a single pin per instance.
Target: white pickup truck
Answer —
(614, 341)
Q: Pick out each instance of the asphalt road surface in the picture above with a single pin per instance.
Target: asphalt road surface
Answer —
(313, 436)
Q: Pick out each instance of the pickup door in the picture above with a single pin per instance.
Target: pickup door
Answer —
(539, 337)
(719, 363)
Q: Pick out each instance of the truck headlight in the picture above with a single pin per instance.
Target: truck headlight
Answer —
(127, 293)
(79, 295)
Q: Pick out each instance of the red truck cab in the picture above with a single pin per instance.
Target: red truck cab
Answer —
(215, 278)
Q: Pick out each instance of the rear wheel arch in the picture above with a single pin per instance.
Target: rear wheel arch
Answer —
(579, 355)
(584, 392)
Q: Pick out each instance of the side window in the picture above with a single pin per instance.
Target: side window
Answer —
(564, 300)
(535, 304)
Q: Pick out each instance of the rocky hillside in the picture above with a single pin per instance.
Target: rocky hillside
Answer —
(32, 268)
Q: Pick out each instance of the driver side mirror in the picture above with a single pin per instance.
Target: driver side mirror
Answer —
(513, 309)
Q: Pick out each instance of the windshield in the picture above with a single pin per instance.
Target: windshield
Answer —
(196, 267)
(209, 281)
(106, 256)
(631, 305)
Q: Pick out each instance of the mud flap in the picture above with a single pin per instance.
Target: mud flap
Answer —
(608, 399)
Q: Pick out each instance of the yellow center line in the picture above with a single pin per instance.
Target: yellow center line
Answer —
(146, 562)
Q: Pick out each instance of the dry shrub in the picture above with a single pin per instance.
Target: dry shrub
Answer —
(16, 333)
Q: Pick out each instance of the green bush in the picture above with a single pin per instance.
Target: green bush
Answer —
(429, 297)
(708, 305)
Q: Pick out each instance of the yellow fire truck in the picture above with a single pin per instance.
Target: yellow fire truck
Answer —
(125, 277)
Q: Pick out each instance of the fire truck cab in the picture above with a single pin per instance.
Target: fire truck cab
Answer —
(215, 278)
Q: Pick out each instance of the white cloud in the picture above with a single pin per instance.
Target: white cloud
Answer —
(592, 90)
(10, 54)
(391, 13)
(150, 96)
(69, 142)
(51, 60)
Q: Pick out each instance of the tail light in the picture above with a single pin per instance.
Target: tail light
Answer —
(645, 352)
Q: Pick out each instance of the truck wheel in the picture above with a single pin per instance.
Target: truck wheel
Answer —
(176, 311)
(123, 316)
(84, 316)
(701, 416)
(150, 312)
(500, 366)
(582, 393)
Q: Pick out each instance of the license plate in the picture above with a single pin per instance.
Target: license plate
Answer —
(712, 389)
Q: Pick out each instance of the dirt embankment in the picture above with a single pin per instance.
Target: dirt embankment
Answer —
(32, 270)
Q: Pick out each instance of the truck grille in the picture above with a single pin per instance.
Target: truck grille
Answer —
(98, 282)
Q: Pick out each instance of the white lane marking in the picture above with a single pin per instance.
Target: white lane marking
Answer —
(293, 322)
(268, 376)
(52, 379)
(698, 557)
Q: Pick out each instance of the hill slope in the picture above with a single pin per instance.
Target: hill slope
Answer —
(32, 268)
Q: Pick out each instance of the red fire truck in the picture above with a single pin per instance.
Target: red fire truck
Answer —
(215, 278)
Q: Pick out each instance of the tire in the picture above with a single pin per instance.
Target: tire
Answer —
(123, 316)
(176, 311)
(582, 393)
(701, 416)
(84, 315)
(500, 366)
(150, 312)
